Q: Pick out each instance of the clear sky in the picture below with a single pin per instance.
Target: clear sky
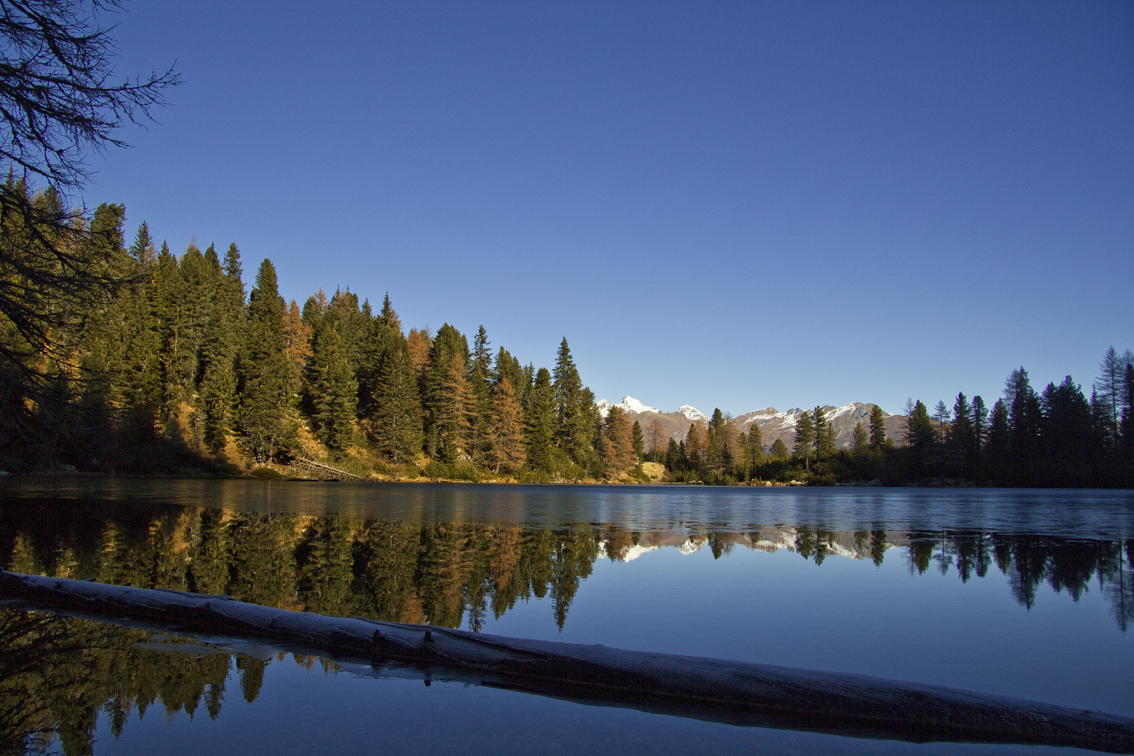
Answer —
(732, 205)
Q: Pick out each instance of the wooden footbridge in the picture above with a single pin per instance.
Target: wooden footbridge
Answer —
(321, 470)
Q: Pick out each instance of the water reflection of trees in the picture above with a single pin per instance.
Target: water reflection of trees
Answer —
(457, 574)
(58, 673)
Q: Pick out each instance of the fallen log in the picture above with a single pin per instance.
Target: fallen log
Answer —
(729, 692)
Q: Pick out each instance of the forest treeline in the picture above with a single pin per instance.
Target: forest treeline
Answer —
(174, 363)
(1057, 437)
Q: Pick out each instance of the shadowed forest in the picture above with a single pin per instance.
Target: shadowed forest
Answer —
(177, 369)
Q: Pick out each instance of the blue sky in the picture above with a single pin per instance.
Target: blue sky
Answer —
(721, 204)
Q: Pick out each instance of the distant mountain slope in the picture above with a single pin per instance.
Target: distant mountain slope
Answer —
(773, 423)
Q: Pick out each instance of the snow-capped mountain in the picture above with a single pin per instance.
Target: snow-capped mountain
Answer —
(628, 404)
(693, 414)
(773, 423)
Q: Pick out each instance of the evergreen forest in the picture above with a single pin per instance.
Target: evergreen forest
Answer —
(173, 365)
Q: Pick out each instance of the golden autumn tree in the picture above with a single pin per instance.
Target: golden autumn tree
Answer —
(506, 431)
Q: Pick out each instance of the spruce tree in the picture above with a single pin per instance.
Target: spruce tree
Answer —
(480, 381)
(395, 424)
(804, 438)
(540, 422)
(266, 377)
(877, 427)
(755, 446)
(334, 390)
(639, 442)
(963, 439)
(860, 442)
(221, 344)
(824, 435)
(572, 428)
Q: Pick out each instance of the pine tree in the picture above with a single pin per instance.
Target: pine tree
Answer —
(573, 431)
(980, 423)
(395, 425)
(480, 375)
(1108, 390)
(779, 451)
(506, 431)
(941, 415)
(1067, 434)
(695, 451)
(448, 396)
(265, 375)
(540, 422)
(804, 438)
(618, 444)
(877, 427)
(755, 446)
(859, 441)
(639, 442)
(824, 435)
(222, 341)
(963, 439)
(334, 390)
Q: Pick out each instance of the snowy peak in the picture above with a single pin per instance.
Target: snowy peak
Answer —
(693, 413)
(628, 404)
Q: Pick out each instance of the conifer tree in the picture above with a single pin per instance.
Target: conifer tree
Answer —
(695, 451)
(540, 422)
(506, 431)
(572, 427)
(941, 415)
(222, 341)
(980, 423)
(480, 376)
(334, 390)
(142, 372)
(395, 423)
(824, 435)
(639, 442)
(266, 378)
(860, 442)
(877, 427)
(755, 446)
(447, 398)
(618, 444)
(1108, 391)
(804, 438)
(779, 451)
(962, 439)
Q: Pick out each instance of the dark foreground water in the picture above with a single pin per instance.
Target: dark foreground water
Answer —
(1018, 593)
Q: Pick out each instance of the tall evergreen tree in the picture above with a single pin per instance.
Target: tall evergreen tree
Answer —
(805, 438)
(540, 422)
(877, 427)
(860, 442)
(222, 341)
(1067, 434)
(980, 423)
(573, 428)
(618, 446)
(334, 390)
(639, 442)
(395, 423)
(1108, 390)
(266, 378)
(480, 381)
(755, 446)
(824, 437)
(963, 440)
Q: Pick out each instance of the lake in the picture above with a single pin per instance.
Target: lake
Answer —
(1016, 593)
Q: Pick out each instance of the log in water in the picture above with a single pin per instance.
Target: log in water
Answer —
(730, 692)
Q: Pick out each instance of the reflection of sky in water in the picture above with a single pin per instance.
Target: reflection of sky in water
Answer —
(752, 604)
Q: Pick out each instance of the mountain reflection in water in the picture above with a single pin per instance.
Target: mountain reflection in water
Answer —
(453, 574)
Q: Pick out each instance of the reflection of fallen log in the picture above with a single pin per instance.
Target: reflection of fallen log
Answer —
(720, 691)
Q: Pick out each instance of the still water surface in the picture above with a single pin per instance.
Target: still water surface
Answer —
(1018, 593)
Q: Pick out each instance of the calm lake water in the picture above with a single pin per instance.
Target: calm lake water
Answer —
(1018, 593)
